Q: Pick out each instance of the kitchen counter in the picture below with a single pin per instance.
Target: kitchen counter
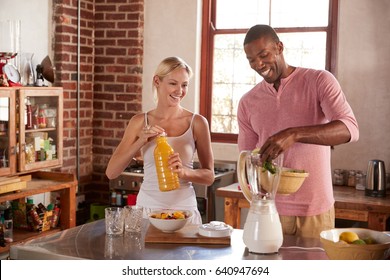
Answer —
(350, 204)
(89, 241)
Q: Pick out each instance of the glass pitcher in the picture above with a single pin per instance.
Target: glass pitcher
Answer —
(259, 181)
(27, 73)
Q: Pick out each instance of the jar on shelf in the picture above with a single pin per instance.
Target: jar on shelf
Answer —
(360, 181)
(339, 177)
(30, 153)
(351, 178)
(42, 118)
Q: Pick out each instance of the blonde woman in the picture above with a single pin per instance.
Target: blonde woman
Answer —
(188, 133)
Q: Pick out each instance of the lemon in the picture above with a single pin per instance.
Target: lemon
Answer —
(348, 236)
(256, 151)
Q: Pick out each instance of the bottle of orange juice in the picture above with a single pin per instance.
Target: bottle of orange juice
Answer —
(167, 179)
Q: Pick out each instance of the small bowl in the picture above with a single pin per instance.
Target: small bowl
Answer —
(343, 251)
(169, 225)
(290, 181)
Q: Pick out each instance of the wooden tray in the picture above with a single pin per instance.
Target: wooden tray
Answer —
(187, 235)
(14, 183)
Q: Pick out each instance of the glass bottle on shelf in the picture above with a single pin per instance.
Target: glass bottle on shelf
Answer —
(29, 123)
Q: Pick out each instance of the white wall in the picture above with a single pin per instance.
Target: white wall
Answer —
(35, 17)
(174, 32)
(363, 71)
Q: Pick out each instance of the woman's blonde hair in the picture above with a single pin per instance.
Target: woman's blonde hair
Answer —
(167, 66)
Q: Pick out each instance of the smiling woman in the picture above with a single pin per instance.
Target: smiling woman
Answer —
(187, 133)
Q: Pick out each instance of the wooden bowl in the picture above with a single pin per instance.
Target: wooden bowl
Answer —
(336, 250)
(290, 181)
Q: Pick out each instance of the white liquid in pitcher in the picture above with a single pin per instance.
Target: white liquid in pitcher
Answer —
(263, 233)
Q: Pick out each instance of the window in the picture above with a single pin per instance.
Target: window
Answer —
(307, 29)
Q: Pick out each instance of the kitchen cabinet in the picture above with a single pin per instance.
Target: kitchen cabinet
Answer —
(31, 143)
(7, 132)
(30, 140)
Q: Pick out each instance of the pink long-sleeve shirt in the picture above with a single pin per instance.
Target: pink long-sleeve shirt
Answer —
(306, 97)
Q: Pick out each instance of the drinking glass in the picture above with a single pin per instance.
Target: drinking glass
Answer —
(114, 220)
(133, 218)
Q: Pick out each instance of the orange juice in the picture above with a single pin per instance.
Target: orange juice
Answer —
(167, 179)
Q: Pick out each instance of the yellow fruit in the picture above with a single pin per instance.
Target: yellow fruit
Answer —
(156, 216)
(164, 215)
(348, 236)
(179, 215)
(256, 151)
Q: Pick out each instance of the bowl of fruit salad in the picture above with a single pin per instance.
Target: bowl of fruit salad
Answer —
(355, 244)
(169, 220)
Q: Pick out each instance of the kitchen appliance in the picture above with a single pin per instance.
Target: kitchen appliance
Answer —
(9, 75)
(376, 179)
(262, 230)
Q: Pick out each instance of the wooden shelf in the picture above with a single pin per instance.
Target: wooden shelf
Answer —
(43, 182)
(40, 129)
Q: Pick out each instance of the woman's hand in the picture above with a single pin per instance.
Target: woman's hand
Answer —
(176, 165)
(149, 132)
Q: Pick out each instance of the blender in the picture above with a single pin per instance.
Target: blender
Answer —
(259, 180)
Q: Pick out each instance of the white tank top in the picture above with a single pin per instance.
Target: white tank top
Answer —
(150, 196)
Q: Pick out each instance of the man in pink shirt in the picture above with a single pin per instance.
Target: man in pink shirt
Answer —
(301, 113)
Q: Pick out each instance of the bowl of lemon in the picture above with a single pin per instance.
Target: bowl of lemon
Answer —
(355, 244)
(169, 220)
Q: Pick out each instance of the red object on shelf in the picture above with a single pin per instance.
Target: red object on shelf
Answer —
(131, 199)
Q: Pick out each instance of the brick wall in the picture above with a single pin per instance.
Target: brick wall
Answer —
(118, 79)
(111, 47)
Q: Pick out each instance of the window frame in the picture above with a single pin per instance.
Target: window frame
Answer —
(207, 46)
